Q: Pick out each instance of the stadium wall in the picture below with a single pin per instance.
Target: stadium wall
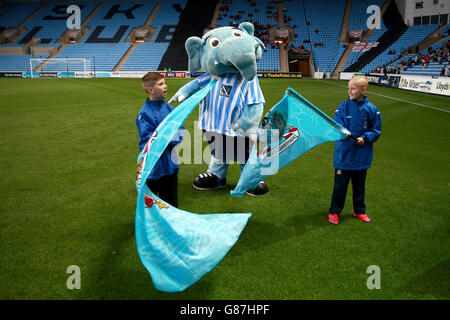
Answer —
(416, 9)
(424, 84)
(132, 74)
(90, 74)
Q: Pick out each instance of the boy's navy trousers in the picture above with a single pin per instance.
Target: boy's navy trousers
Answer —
(342, 179)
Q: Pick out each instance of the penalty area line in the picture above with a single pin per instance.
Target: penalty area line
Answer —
(398, 99)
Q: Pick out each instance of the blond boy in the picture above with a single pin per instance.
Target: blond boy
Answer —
(352, 157)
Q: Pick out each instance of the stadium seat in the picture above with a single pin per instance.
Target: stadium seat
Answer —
(412, 35)
(316, 26)
(147, 56)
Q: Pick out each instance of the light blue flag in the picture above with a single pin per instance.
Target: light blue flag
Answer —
(178, 247)
(292, 127)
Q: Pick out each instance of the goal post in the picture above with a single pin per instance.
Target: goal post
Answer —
(65, 67)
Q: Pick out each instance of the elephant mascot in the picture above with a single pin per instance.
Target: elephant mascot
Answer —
(230, 114)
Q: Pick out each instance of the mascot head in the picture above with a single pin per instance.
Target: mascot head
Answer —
(226, 50)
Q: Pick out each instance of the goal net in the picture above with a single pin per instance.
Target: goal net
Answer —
(65, 67)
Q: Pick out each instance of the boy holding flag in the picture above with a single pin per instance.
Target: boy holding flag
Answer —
(163, 180)
(352, 158)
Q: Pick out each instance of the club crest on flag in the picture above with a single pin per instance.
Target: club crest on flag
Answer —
(292, 131)
(263, 153)
(289, 137)
(292, 127)
(149, 201)
(151, 140)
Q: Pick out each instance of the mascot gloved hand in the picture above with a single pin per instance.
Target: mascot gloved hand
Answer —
(229, 115)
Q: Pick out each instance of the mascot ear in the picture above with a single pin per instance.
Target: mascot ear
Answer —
(193, 47)
(250, 29)
(247, 27)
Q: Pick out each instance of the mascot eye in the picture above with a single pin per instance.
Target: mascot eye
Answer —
(214, 42)
(237, 33)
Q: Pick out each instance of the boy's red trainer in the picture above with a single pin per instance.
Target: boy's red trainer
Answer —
(362, 217)
(333, 218)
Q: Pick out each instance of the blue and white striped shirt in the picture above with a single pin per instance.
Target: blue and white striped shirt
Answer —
(225, 102)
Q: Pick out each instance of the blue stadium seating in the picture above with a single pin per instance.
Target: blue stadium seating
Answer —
(113, 15)
(358, 21)
(412, 35)
(17, 62)
(294, 9)
(50, 23)
(111, 25)
(109, 46)
(432, 69)
(258, 12)
(102, 56)
(359, 15)
(325, 17)
(377, 33)
(105, 41)
(435, 46)
(15, 13)
(147, 56)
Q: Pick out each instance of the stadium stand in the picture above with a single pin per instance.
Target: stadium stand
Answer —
(263, 14)
(103, 55)
(413, 34)
(325, 20)
(294, 10)
(17, 62)
(15, 13)
(12, 17)
(106, 42)
(395, 28)
(359, 14)
(49, 24)
(376, 34)
(393, 40)
(414, 63)
(193, 21)
(147, 56)
(358, 21)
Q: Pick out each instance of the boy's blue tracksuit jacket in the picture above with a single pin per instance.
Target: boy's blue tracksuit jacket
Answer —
(148, 119)
(362, 119)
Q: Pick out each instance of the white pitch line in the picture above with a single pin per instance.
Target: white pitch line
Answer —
(398, 99)
(417, 104)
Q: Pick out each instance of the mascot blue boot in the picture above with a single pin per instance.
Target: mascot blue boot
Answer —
(229, 115)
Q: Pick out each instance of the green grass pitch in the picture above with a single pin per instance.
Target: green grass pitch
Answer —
(67, 197)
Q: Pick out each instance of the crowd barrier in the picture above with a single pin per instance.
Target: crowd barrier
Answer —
(424, 84)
